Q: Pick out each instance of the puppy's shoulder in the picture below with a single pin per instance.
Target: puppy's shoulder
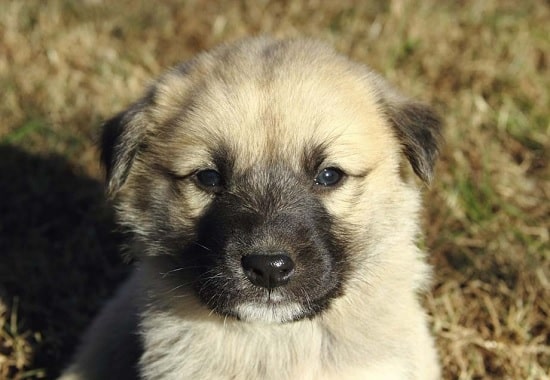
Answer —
(111, 346)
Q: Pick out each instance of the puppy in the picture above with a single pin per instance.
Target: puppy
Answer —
(272, 224)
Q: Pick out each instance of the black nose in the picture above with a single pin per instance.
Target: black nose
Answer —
(268, 271)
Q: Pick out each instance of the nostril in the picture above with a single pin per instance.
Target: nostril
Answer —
(257, 272)
(268, 271)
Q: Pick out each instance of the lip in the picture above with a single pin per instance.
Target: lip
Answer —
(277, 312)
(275, 298)
(268, 298)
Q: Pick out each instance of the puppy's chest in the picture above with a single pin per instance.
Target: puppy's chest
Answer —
(202, 350)
(176, 349)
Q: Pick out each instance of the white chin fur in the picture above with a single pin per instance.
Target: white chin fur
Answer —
(269, 312)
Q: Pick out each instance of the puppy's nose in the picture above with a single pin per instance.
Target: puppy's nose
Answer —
(268, 271)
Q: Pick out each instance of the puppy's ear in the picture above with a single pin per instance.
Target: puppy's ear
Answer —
(418, 129)
(120, 142)
(124, 135)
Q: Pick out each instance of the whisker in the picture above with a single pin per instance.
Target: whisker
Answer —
(178, 269)
(179, 287)
(164, 274)
(202, 246)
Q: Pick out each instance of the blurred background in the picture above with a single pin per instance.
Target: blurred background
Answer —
(67, 65)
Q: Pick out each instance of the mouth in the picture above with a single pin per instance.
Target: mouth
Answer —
(254, 304)
(265, 288)
(269, 312)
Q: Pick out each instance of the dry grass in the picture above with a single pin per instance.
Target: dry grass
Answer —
(66, 65)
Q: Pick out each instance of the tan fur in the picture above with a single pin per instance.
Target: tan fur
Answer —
(268, 100)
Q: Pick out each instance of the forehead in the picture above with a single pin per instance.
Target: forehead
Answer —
(272, 111)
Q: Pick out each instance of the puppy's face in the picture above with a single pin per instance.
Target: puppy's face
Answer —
(263, 172)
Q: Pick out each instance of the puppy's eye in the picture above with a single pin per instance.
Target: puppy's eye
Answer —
(209, 180)
(329, 177)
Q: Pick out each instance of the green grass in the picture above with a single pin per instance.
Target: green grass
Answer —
(32, 126)
(65, 66)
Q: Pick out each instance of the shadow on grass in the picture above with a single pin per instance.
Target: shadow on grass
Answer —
(59, 257)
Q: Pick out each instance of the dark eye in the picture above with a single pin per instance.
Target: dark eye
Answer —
(329, 177)
(209, 179)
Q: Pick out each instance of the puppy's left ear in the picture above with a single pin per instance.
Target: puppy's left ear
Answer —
(418, 128)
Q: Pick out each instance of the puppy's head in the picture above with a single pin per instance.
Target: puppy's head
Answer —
(267, 173)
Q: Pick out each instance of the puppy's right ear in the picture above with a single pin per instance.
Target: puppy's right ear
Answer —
(120, 142)
(124, 135)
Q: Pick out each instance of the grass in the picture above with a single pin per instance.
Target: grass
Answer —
(65, 66)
